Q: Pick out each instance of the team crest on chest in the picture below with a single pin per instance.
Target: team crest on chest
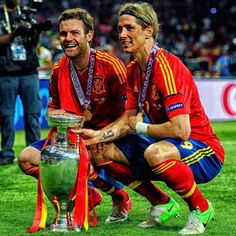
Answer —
(98, 85)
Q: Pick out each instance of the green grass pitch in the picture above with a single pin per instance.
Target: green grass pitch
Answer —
(18, 199)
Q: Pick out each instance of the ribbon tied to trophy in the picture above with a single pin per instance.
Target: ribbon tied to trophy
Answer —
(63, 178)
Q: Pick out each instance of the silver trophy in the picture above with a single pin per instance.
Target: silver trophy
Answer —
(58, 170)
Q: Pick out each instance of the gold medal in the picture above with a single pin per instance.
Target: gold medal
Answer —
(88, 114)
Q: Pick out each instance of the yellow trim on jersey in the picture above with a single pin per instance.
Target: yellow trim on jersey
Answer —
(198, 155)
(164, 76)
(160, 169)
(190, 193)
(54, 67)
(135, 184)
(131, 63)
(171, 73)
(167, 73)
(111, 190)
(93, 176)
(104, 163)
(120, 72)
(56, 64)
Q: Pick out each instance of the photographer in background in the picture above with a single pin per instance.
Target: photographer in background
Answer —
(18, 75)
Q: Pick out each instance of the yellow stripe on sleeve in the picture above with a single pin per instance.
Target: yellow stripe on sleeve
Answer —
(171, 76)
(119, 70)
(167, 74)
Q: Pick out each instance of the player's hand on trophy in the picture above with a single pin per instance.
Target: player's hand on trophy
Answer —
(57, 112)
(90, 136)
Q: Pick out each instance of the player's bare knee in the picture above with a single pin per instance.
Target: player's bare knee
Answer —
(99, 154)
(28, 156)
(97, 158)
(22, 157)
(154, 155)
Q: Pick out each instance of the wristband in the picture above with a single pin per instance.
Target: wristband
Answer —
(141, 128)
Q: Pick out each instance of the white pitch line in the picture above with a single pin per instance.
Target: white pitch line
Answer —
(228, 142)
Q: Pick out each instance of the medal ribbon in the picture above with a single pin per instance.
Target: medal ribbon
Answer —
(84, 100)
(7, 17)
(144, 87)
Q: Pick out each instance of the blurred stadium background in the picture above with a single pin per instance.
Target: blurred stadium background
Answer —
(201, 32)
(198, 31)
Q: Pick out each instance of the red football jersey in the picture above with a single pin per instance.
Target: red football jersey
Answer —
(171, 92)
(108, 90)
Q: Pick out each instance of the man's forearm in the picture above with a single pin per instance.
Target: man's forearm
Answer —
(115, 130)
(113, 133)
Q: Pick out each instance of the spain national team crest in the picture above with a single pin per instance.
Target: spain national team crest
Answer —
(98, 85)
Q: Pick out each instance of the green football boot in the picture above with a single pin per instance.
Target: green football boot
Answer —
(197, 221)
(161, 213)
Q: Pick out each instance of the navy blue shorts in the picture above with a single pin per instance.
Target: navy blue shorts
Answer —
(198, 156)
(39, 144)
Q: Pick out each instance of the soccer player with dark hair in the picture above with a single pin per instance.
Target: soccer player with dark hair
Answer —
(164, 134)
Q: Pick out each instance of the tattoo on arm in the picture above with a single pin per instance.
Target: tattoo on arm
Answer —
(108, 134)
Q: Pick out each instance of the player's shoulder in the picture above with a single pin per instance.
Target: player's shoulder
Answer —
(132, 65)
(163, 55)
(105, 57)
(57, 65)
(59, 62)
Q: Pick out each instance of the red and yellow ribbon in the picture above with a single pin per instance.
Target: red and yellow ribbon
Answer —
(79, 192)
(81, 200)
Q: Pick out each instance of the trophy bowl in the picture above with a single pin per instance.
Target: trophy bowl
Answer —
(58, 170)
(65, 121)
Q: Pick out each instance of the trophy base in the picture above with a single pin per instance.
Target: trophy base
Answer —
(63, 227)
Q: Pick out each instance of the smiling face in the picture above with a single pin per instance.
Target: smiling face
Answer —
(73, 39)
(131, 34)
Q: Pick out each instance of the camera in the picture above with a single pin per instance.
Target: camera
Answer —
(27, 22)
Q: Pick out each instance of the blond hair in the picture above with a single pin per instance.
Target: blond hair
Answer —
(144, 14)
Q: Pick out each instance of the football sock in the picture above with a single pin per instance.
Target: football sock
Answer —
(179, 177)
(123, 173)
(33, 171)
(116, 194)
